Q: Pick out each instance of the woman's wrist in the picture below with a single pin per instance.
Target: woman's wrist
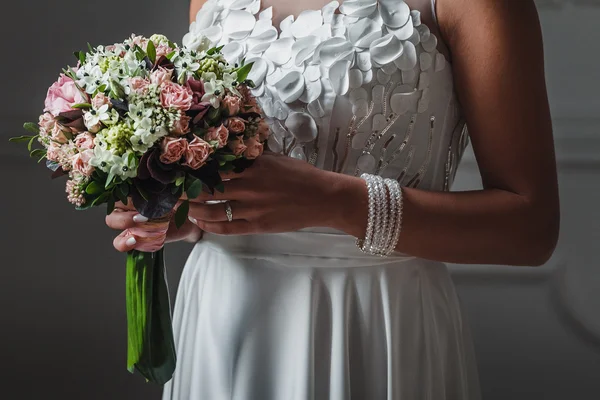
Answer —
(346, 204)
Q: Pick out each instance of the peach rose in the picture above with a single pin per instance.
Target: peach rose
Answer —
(81, 163)
(53, 152)
(84, 141)
(161, 76)
(176, 96)
(232, 104)
(236, 125)
(46, 124)
(197, 153)
(172, 149)
(263, 130)
(139, 85)
(62, 95)
(99, 100)
(218, 133)
(58, 135)
(254, 148)
(163, 50)
(182, 125)
(237, 146)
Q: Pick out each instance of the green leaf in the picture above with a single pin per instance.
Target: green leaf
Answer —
(109, 180)
(41, 158)
(171, 54)
(37, 153)
(173, 45)
(116, 90)
(82, 57)
(151, 50)
(214, 50)
(227, 167)
(31, 143)
(229, 157)
(100, 199)
(180, 180)
(102, 89)
(243, 71)
(110, 205)
(220, 187)
(20, 139)
(82, 105)
(122, 191)
(31, 127)
(90, 47)
(94, 188)
(182, 213)
(195, 189)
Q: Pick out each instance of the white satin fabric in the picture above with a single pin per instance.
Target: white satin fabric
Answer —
(306, 315)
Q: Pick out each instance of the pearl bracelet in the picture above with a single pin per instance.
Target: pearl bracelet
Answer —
(385, 216)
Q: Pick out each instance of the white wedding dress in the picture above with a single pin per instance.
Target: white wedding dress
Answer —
(365, 87)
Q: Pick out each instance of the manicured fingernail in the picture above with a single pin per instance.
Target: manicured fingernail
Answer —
(193, 220)
(131, 242)
(139, 218)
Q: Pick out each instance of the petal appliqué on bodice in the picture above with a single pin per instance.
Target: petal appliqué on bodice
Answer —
(356, 87)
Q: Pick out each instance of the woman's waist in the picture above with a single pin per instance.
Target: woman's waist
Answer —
(312, 246)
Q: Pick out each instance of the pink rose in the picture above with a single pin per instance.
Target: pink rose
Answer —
(84, 141)
(81, 162)
(182, 125)
(139, 85)
(263, 130)
(62, 95)
(161, 76)
(232, 104)
(99, 100)
(218, 133)
(236, 125)
(58, 135)
(197, 153)
(172, 149)
(176, 96)
(163, 50)
(53, 152)
(46, 124)
(254, 148)
(237, 146)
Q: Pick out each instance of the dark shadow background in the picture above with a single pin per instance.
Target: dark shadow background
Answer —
(63, 326)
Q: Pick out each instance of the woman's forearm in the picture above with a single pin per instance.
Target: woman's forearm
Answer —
(471, 227)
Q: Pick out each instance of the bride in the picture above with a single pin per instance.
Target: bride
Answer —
(322, 274)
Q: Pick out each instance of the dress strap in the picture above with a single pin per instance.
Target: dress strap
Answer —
(433, 12)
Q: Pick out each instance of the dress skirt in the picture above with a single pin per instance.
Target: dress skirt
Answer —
(307, 315)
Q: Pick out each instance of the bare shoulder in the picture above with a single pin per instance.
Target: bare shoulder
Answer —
(458, 18)
(195, 6)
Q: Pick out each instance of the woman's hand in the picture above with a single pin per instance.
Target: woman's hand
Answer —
(130, 222)
(281, 194)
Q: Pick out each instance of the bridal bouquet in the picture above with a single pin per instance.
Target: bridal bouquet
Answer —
(152, 123)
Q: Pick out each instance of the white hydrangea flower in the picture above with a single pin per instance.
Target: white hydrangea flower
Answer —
(103, 159)
(94, 117)
(213, 89)
(93, 80)
(140, 115)
(125, 166)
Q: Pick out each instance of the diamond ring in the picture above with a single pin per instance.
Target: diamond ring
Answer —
(228, 211)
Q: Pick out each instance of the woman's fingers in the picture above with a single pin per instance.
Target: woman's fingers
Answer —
(121, 220)
(217, 212)
(125, 242)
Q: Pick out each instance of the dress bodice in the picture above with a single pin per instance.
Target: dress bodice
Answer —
(352, 88)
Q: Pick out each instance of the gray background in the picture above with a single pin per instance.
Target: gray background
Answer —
(63, 323)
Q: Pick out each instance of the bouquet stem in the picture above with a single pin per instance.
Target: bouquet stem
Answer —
(150, 345)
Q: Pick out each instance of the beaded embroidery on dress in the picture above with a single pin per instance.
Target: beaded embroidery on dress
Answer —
(362, 90)
(307, 315)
